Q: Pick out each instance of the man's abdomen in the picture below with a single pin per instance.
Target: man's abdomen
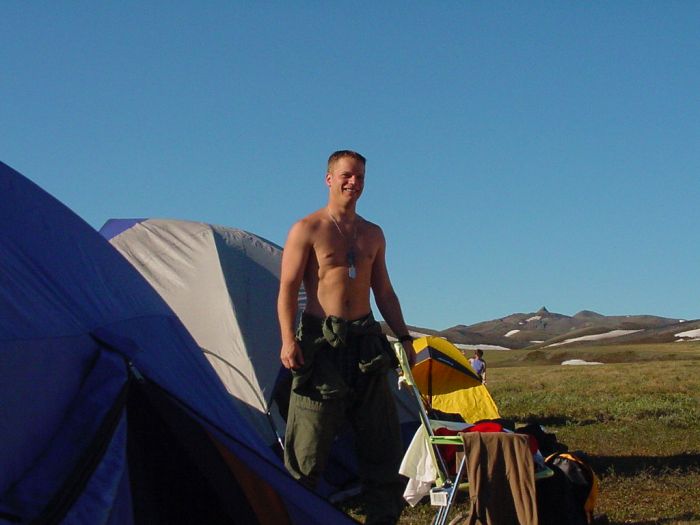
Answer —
(337, 294)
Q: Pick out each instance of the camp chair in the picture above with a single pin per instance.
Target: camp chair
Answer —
(446, 485)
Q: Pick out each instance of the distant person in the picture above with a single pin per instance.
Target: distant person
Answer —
(478, 364)
(338, 355)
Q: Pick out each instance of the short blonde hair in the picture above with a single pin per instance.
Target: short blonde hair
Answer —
(337, 155)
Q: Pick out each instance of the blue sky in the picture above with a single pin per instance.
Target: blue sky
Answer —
(519, 154)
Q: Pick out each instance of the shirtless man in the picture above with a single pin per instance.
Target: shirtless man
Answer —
(338, 356)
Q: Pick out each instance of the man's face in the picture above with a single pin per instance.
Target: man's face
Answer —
(346, 178)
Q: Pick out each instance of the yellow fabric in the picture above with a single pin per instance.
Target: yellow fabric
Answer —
(453, 391)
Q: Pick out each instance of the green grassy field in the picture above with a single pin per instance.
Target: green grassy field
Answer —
(637, 417)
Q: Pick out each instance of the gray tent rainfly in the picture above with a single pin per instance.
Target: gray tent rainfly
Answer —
(222, 283)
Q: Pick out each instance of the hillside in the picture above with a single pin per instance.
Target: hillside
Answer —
(543, 329)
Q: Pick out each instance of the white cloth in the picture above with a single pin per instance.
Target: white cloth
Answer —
(419, 462)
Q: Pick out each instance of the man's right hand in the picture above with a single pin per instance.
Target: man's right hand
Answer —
(291, 355)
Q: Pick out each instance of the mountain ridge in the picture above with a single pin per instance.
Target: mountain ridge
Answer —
(543, 328)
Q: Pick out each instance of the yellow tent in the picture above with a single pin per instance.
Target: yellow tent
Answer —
(448, 383)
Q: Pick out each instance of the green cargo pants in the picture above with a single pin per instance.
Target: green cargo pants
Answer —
(344, 379)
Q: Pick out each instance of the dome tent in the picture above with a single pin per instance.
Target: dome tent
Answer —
(222, 282)
(110, 413)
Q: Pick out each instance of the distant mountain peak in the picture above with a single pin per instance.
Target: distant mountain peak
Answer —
(543, 310)
(583, 314)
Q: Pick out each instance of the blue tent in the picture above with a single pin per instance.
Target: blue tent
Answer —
(109, 412)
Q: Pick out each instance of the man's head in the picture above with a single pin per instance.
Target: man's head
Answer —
(337, 155)
(479, 353)
(345, 177)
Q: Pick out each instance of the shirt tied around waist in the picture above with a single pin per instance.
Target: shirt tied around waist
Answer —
(339, 355)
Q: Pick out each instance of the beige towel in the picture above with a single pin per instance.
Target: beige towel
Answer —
(501, 475)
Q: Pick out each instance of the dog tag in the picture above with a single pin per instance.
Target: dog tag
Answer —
(352, 272)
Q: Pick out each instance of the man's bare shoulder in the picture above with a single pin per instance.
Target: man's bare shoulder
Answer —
(312, 220)
(307, 226)
(371, 229)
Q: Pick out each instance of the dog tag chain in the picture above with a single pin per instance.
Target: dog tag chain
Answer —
(351, 258)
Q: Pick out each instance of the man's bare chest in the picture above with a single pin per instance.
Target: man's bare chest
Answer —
(331, 251)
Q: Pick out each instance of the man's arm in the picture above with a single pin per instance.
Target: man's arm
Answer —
(387, 301)
(294, 258)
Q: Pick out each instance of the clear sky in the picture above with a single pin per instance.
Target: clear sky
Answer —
(520, 154)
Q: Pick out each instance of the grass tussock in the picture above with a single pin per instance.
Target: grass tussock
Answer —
(666, 393)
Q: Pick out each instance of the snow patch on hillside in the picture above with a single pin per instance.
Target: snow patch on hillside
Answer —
(596, 337)
(533, 318)
(512, 332)
(690, 335)
(480, 347)
(579, 362)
